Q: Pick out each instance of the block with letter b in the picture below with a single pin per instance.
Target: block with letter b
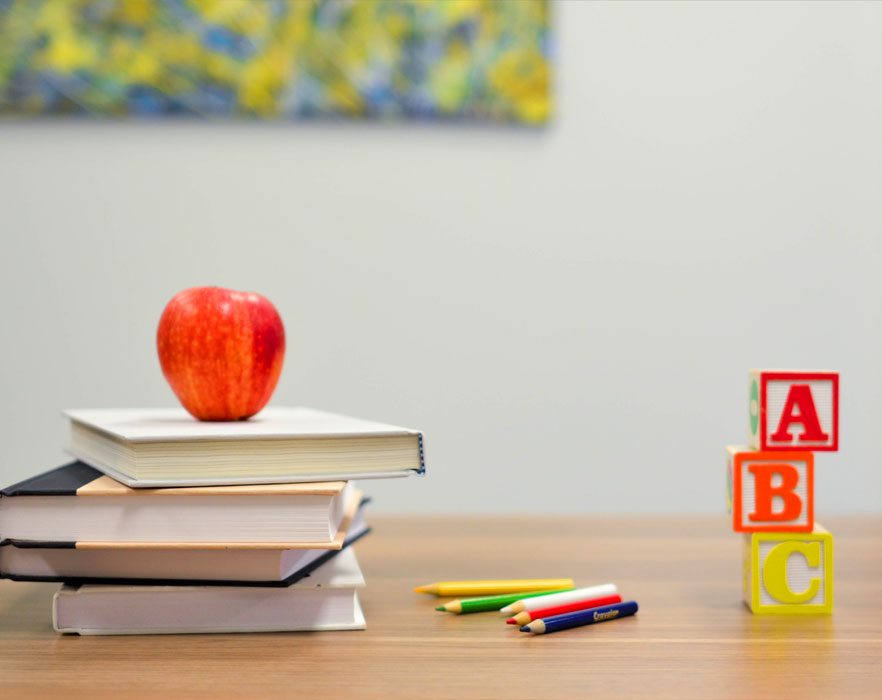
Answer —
(789, 573)
(794, 410)
(770, 491)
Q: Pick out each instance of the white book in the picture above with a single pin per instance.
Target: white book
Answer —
(168, 447)
(78, 504)
(64, 562)
(327, 600)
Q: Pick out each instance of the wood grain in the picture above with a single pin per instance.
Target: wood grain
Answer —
(692, 638)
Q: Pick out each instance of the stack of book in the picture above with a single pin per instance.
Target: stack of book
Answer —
(165, 524)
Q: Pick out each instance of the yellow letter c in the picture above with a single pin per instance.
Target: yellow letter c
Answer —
(775, 570)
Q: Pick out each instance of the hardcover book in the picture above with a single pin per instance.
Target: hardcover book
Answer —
(76, 503)
(63, 561)
(327, 600)
(146, 448)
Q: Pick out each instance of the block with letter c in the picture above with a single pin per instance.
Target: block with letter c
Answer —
(789, 573)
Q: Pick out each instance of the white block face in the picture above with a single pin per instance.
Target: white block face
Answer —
(730, 486)
(776, 401)
(748, 492)
(799, 574)
(753, 418)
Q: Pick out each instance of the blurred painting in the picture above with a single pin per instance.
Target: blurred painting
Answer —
(277, 59)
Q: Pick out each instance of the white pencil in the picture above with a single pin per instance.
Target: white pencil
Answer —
(546, 601)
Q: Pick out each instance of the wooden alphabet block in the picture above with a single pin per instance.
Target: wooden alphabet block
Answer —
(794, 410)
(789, 573)
(770, 491)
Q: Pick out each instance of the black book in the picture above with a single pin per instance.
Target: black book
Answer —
(76, 503)
(22, 560)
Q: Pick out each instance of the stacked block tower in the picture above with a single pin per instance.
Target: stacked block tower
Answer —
(788, 557)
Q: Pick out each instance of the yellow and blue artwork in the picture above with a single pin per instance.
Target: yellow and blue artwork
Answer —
(277, 59)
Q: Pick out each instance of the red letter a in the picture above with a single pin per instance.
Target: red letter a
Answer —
(800, 396)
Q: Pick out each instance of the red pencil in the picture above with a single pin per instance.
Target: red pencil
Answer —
(522, 618)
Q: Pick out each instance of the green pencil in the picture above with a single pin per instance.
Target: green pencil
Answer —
(490, 602)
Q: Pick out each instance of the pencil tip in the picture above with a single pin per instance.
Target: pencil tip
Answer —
(526, 628)
(441, 608)
(420, 589)
(511, 621)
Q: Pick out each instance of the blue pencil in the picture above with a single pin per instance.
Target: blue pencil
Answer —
(581, 617)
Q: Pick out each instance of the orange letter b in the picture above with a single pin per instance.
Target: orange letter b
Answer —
(764, 492)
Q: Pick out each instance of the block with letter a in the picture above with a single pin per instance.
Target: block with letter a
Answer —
(789, 573)
(794, 410)
(771, 491)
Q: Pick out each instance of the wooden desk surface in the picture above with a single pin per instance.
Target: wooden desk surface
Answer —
(691, 638)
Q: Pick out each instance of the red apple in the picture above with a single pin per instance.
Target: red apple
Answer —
(221, 351)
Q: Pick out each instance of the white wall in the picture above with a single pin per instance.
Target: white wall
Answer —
(569, 314)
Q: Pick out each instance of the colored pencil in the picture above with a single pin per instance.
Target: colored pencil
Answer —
(490, 602)
(458, 588)
(581, 617)
(522, 618)
(560, 598)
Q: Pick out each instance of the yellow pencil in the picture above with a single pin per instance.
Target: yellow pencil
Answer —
(458, 588)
